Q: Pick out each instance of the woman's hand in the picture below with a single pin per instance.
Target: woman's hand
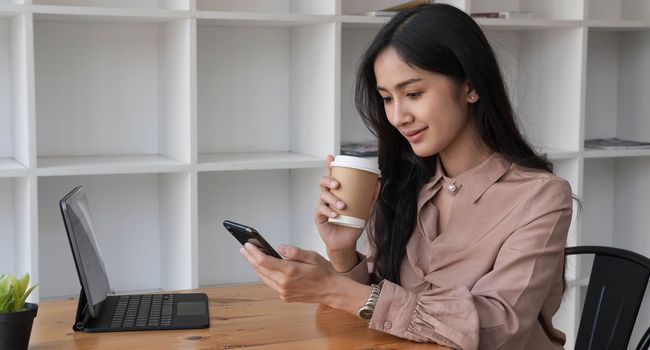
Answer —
(341, 241)
(305, 276)
(337, 238)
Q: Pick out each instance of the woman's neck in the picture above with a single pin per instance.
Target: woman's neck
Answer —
(466, 152)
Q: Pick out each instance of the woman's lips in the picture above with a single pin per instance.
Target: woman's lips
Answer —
(415, 135)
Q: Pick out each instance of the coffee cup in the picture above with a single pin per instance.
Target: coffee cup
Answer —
(357, 178)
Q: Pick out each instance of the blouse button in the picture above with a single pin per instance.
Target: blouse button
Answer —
(452, 187)
(387, 325)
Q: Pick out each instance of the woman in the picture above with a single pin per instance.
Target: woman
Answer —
(468, 230)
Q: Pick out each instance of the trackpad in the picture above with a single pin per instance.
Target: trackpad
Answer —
(190, 308)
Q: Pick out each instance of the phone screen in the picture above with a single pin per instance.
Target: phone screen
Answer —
(246, 234)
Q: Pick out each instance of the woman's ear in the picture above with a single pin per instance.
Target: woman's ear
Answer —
(471, 96)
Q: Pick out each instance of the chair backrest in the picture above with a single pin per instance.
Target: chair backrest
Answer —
(616, 288)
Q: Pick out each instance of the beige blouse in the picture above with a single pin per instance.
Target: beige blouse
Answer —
(493, 278)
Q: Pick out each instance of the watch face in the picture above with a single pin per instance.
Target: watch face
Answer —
(366, 313)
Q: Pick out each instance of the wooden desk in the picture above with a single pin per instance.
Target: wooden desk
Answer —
(243, 316)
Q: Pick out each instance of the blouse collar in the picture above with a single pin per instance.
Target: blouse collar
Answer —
(472, 182)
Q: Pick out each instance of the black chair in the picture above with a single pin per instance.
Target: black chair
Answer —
(616, 288)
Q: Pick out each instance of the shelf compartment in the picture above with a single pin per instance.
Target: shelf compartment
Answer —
(309, 7)
(131, 4)
(14, 94)
(278, 203)
(354, 40)
(542, 71)
(284, 105)
(17, 249)
(616, 88)
(142, 226)
(554, 9)
(616, 192)
(257, 161)
(107, 89)
(619, 9)
(7, 229)
(93, 165)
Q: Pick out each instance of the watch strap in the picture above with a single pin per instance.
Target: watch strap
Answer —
(366, 311)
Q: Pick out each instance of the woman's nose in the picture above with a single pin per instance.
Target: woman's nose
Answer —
(400, 115)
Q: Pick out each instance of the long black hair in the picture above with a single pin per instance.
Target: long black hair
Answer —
(442, 39)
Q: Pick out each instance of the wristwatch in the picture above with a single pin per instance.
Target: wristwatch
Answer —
(366, 311)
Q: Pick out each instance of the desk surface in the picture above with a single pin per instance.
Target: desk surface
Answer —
(242, 316)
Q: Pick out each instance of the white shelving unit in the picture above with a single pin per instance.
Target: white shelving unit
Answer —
(179, 114)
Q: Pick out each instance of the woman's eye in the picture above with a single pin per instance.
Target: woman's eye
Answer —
(413, 95)
(387, 99)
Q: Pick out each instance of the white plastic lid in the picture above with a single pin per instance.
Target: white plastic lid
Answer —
(348, 221)
(357, 163)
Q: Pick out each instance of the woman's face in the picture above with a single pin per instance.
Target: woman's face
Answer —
(427, 108)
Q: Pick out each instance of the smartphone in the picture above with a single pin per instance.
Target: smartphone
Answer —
(246, 234)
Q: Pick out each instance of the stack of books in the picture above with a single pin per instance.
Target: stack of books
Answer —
(615, 143)
(504, 14)
(364, 149)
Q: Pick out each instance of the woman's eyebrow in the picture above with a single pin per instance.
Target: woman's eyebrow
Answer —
(401, 85)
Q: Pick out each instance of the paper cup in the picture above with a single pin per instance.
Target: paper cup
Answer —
(357, 179)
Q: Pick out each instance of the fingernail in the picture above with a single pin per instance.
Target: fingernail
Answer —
(333, 184)
(333, 214)
(339, 205)
(241, 250)
(282, 249)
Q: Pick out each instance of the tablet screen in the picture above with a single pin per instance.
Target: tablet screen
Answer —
(90, 267)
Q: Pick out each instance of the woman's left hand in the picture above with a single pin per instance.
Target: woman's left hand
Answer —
(305, 275)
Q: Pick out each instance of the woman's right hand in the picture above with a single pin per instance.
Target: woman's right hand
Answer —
(337, 238)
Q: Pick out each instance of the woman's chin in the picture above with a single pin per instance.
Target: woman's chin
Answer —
(423, 152)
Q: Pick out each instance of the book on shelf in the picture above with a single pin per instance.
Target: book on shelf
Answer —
(361, 149)
(614, 143)
(393, 10)
(504, 14)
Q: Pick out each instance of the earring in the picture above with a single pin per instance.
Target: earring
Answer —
(472, 98)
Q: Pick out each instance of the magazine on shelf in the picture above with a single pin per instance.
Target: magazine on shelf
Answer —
(504, 14)
(393, 10)
(615, 143)
(367, 149)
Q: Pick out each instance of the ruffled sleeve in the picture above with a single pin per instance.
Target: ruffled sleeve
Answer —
(446, 316)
